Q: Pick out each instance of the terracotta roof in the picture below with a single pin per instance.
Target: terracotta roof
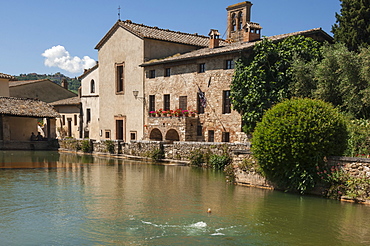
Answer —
(143, 31)
(26, 107)
(68, 101)
(87, 71)
(233, 47)
(6, 76)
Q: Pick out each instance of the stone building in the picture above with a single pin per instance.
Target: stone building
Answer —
(178, 82)
(119, 79)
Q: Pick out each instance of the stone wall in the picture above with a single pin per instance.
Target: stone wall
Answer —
(356, 167)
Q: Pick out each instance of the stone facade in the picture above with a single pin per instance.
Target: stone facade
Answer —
(184, 81)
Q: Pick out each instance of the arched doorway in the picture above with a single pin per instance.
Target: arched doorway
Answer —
(172, 135)
(156, 135)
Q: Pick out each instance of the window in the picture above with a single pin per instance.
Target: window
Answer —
(233, 22)
(201, 68)
(132, 136)
(166, 102)
(200, 107)
(211, 136)
(107, 134)
(229, 64)
(240, 21)
(167, 72)
(199, 130)
(120, 78)
(88, 115)
(226, 104)
(151, 74)
(63, 120)
(92, 86)
(226, 137)
(151, 103)
(75, 119)
(183, 102)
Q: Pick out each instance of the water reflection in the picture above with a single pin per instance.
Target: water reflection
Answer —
(62, 199)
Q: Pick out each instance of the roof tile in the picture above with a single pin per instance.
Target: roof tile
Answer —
(26, 107)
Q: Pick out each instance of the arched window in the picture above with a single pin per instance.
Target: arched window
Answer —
(240, 21)
(92, 86)
(233, 22)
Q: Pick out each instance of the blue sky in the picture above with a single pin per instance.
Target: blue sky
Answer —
(30, 27)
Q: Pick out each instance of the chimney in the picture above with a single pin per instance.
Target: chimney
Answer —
(252, 32)
(214, 39)
(64, 83)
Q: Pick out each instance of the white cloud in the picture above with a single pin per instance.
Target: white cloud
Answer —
(58, 56)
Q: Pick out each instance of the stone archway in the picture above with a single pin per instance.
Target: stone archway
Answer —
(156, 135)
(172, 135)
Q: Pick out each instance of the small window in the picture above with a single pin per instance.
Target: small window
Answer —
(133, 136)
(229, 64)
(107, 134)
(151, 74)
(226, 103)
(167, 72)
(199, 130)
(75, 119)
(92, 86)
(151, 103)
(63, 120)
(201, 68)
(166, 102)
(120, 78)
(211, 136)
(226, 137)
(183, 102)
(88, 115)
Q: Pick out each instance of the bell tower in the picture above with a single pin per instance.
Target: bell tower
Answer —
(240, 28)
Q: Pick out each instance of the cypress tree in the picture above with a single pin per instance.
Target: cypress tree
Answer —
(353, 24)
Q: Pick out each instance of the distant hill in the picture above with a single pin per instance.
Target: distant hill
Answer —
(73, 83)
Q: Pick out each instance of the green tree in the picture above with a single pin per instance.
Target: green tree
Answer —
(293, 138)
(341, 78)
(353, 24)
(263, 81)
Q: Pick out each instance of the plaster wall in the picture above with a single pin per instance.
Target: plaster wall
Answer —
(4, 87)
(122, 47)
(19, 128)
(90, 101)
(70, 114)
(155, 49)
(46, 91)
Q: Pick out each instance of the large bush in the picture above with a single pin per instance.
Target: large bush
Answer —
(293, 139)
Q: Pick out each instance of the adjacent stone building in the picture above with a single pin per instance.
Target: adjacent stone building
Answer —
(183, 82)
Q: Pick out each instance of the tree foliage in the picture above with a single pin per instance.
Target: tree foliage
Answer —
(353, 24)
(341, 78)
(293, 138)
(264, 80)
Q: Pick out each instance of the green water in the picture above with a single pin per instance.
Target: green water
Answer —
(50, 198)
